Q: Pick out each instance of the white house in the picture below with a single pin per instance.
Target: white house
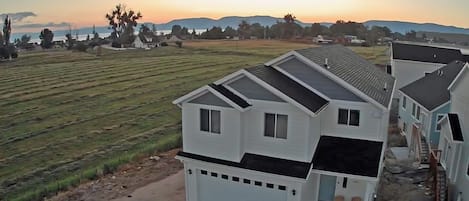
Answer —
(411, 61)
(308, 125)
(420, 110)
(454, 140)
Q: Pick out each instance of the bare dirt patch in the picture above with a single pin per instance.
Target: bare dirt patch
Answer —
(126, 180)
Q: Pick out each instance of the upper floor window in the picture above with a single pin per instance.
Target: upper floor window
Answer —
(404, 102)
(276, 125)
(438, 125)
(210, 121)
(414, 109)
(349, 117)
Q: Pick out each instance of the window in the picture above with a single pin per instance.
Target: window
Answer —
(246, 181)
(404, 102)
(235, 178)
(204, 172)
(258, 183)
(276, 125)
(414, 108)
(344, 182)
(282, 188)
(214, 174)
(269, 185)
(438, 118)
(418, 112)
(210, 121)
(349, 117)
(224, 176)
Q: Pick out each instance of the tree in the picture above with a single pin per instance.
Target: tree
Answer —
(230, 32)
(7, 31)
(257, 30)
(244, 29)
(95, 34)
(69, 40)
(123, 22)
(176, 30)
(289, 27)
(23, 42)
(214, 33)
(289, 18)
(46, 37)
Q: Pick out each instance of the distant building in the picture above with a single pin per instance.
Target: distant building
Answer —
(321, 40)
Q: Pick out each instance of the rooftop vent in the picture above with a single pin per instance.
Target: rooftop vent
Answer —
(326, 63)
(385, 88)
(440, 72)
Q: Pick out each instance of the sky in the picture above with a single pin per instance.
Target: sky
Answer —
(37, 14)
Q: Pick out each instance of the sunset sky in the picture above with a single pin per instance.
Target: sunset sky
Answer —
(84, 13)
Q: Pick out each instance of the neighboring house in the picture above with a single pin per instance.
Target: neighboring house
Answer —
(321, 40)
(454, 142)
(309, 125)
(144, 42)
(410, 61)
(422, 104)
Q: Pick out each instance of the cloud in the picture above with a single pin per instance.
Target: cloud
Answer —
(43, 25)
(17, 17)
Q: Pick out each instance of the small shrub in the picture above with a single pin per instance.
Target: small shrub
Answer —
(179, 44)
(116, 44)
(164, 44)
(81, 47)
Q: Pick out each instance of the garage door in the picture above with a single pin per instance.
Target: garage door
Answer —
(213, 186)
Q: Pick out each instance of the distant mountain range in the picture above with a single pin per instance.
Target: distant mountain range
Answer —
(233, 21)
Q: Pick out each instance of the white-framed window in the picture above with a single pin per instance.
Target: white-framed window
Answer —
(404, 102)
(275, 125)
(210, 121)
(438, 118)
(414, 109)
(349, 117)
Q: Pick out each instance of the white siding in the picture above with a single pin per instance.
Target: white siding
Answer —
(295, 147)
(460, 105)
(371, 121)
(226, 145)
(407, 72)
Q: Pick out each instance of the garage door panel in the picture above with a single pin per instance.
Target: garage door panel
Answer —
(212, 188)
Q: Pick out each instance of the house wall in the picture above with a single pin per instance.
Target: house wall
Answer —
(354, 188)
(225, 145)
(309, 190)
(295, 147)
(450, 153)
(407, 72)
(460, 105)
(434, 134)
(405, 115)
(371, 121)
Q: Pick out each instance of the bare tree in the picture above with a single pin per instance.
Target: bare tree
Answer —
(123, 22)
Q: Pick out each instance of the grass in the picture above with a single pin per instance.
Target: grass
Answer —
(67, 116)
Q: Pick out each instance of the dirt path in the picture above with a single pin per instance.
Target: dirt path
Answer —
(156, 176)
(168, 189)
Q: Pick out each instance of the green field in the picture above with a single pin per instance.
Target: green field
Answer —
(66, 116)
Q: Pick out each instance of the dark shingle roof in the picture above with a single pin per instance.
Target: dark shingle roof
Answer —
(353, 69)
(289, 87)
(423, 53)
(455, 127)
(348, 156)
(260, 163)
(437, 83)
(230, 95)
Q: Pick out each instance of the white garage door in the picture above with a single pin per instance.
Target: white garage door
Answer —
(213, 186)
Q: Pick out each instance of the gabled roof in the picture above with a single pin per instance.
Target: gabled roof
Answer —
(357, 72)
(432, 91)
(455, 126)
(425, 53)
(230, 95)
(348, 156)
(289, 87)
(219, 91)
(259, 163)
